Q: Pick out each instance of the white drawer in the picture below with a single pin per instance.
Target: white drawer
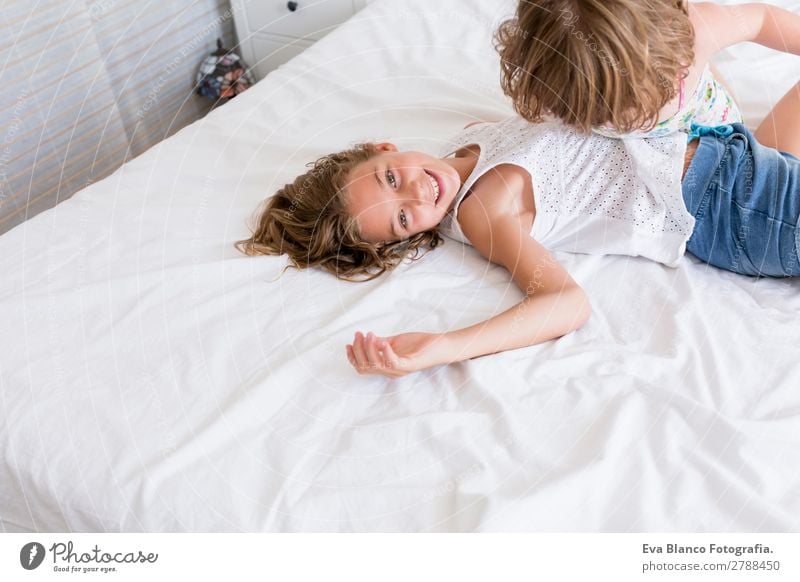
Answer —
(270, 53)
(312, 18)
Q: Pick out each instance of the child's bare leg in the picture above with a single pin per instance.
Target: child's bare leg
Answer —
(781, 128)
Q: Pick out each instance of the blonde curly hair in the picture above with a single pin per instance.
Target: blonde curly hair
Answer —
(308, 220)
(613, 63)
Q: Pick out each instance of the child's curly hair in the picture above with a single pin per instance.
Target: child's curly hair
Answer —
(309, 221)
(614, 63)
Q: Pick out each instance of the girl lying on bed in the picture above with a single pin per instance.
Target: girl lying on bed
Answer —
(514, 190)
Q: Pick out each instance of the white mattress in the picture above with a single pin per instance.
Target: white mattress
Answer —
(153, 379)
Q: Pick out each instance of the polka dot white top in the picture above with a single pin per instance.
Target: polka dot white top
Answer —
(592, 194)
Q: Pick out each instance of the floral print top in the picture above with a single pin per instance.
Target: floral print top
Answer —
(709, 105)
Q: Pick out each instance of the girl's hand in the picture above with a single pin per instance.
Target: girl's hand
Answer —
(397, 355)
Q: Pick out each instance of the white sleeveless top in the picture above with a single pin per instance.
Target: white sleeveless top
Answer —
(592, 194)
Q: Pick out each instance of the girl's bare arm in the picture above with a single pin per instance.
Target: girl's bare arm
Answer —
(553, 305)
(717, 27)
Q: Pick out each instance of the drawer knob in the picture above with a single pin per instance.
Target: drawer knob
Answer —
(292, 6)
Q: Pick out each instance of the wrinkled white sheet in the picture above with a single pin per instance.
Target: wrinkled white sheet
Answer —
(153, 379)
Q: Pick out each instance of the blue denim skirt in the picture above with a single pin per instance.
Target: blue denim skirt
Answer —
(745, 198)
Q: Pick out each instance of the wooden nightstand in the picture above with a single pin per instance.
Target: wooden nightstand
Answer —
(273, 31)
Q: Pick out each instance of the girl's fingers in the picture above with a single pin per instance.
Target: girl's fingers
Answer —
(351, 356)
(367, 360)
(370, 354)
(391, 358)
(358, 351)
(366, 352)
(373, 357)
(379, 356)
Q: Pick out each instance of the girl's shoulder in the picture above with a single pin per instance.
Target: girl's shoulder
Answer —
(500, 195)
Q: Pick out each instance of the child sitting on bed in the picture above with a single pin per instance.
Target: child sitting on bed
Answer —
(514, 189)
(636, 68)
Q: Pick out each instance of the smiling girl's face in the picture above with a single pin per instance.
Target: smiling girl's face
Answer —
(395, 195)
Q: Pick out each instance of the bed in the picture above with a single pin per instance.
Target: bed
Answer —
(154, 379)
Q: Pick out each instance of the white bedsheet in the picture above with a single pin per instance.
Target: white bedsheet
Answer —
(153, 379)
